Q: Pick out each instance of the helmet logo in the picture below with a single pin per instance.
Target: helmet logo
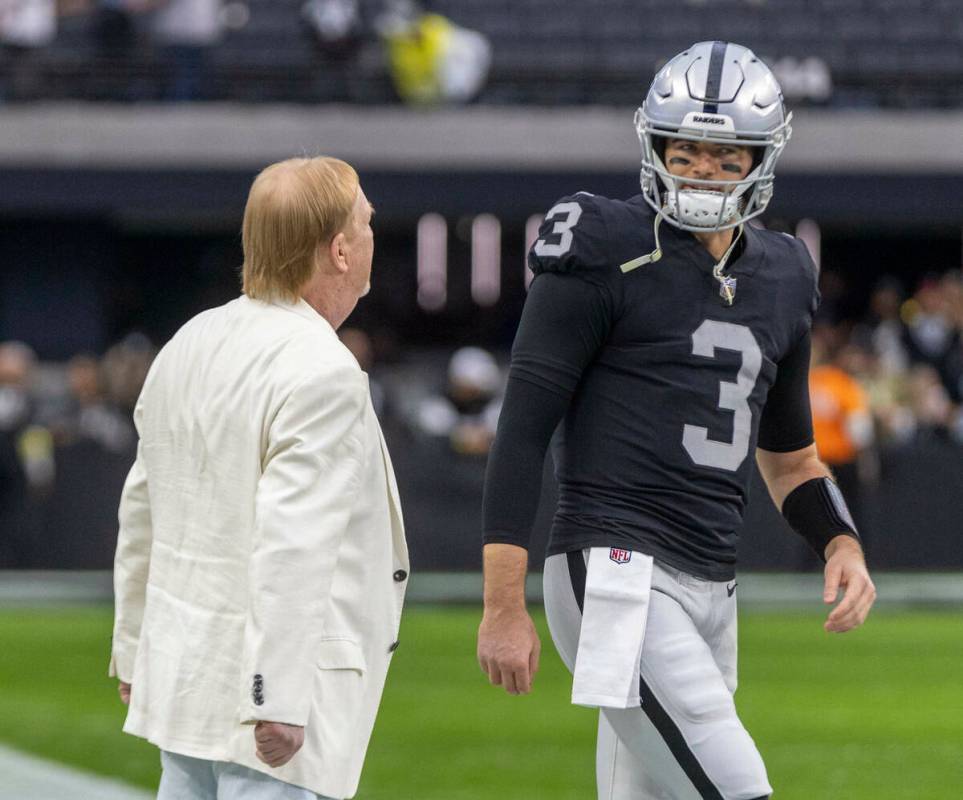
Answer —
(700, 120)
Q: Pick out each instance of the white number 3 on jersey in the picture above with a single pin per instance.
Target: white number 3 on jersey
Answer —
(569, 214)
(712, 334)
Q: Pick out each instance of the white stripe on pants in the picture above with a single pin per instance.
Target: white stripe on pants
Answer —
(186, 778)
(685, 740)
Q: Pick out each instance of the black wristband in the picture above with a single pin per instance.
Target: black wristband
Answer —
(817, 511)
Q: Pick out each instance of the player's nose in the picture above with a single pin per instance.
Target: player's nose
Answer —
(704, 165)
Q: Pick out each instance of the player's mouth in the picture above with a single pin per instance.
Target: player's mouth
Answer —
(688, 187)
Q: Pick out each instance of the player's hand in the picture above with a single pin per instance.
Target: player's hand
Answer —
(276, 743)
(508, 649)
(846, 569)
(123, 689)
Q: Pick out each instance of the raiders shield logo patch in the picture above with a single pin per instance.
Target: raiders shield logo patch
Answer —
(620, 556)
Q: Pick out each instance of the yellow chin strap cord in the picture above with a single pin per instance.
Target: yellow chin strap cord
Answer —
(726, 284)
(652, 257)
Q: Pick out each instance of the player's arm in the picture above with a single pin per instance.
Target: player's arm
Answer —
(566, 318)
(562, 327)
(802, 488)
(508, 645)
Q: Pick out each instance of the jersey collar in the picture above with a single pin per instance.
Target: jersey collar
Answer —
(749, 254)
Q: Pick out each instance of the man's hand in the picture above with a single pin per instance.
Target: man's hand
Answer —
(276, 743)
(123, 689)
(508, 645)
(846, 568)
(508, 649)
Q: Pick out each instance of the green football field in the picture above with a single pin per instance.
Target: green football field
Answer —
(875, 714)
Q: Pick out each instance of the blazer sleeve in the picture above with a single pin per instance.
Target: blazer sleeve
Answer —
(304, 499)
(131, 565)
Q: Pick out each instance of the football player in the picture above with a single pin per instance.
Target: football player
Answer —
(671, 341)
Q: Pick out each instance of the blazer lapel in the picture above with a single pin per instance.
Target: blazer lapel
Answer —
(398, 524)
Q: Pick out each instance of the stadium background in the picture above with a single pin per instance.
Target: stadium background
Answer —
(129, 134)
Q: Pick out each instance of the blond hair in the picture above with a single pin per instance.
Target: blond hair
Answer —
(293, 206)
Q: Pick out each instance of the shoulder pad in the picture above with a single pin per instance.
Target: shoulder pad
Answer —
(571, 238)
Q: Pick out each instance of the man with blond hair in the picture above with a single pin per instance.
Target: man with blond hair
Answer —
(261, 563)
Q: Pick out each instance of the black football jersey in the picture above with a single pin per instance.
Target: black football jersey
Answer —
(669, 383)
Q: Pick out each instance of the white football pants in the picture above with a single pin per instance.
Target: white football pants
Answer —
(684, 740)
(186, 778)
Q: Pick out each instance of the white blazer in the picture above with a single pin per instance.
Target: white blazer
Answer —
(261, 563)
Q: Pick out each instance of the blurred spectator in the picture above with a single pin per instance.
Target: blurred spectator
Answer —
(125, 367)
(930, 403)
(467, 413)
(26, 455)
(28, 23)
(932, 336)
(186, 30)
(832, 294)
(33, 444)
(115, 27)
(432, 60)
(12, 493)
(66, 442)
(88, 415)
(337, 25)
(886, 326)
(17, 361)
(887, 392)
(806, 79)
(842, 424)
(25, 27)
(951, 286)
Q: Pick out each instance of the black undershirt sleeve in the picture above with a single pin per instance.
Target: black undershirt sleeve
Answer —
(786, 423)
(565, 321)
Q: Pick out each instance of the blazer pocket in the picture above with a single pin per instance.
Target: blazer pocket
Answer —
(339, 703)
(341, 654)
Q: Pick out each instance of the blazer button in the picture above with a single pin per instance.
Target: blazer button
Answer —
(394, 646)
(400, 575)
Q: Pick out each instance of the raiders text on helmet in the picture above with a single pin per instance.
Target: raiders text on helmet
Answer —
(713, 92)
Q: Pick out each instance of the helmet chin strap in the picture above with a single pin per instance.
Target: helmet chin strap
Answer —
(649, 258)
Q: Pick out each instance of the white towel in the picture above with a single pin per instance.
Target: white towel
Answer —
(614, 613)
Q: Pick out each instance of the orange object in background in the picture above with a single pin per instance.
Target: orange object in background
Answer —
(839, 408)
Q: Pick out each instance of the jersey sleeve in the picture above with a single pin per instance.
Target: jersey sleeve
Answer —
(572, 238)
(786, 423)
(513, 477)
(565, 322)
(811, 273)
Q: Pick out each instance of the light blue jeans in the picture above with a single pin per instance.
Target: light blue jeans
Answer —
(186, 778)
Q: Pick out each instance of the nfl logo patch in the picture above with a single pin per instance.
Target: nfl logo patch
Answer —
(620, 556)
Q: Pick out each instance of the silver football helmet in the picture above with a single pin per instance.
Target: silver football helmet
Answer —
(713, 92)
